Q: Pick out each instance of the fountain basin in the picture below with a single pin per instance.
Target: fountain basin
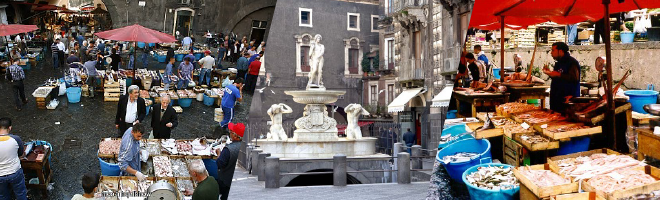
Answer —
(318, 149)
(315, 96)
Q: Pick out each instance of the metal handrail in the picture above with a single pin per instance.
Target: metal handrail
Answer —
(421, 169)
(375, 170)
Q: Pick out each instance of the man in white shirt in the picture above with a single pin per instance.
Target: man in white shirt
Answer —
(131, 110)
(186, 42)
(207, 63)
(12, 179)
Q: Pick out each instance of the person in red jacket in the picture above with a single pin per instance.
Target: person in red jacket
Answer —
(253, 74)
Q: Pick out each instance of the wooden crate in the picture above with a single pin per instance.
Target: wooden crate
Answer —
(554, 166)
(513, 134)
(576, 196)
(648, 144)
(107, 155)
(112, 183)
(575, 133)
(111, 99)
(642, 189)
(483, 133)
(541, 192)
(123, 179)
(539, 146)
(513, 152)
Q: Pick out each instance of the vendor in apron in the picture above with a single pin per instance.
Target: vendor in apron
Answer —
(565, 77)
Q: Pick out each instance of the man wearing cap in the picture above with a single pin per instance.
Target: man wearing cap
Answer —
(227, 158)
(207, 63)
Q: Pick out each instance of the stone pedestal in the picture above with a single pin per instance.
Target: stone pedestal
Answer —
(319, 149)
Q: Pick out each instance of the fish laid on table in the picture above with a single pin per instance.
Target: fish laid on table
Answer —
(620, 179)
(459, 157)
(585, 167)
(493, 178)
(515, 107)
(534, 138)
(543, 178)
(109, 146)
(162, 166)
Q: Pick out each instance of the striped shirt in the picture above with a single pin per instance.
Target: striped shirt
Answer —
(16, 72)
(54, 49)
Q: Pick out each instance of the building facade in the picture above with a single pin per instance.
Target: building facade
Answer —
(420, 42)
(195, 17)
(348, 34)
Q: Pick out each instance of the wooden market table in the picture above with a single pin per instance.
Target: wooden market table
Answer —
(478, 100)
(40, 167)
(526, 93)
(648, 144)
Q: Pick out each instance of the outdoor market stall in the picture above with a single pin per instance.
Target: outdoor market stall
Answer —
(167, 159)
(573, 167)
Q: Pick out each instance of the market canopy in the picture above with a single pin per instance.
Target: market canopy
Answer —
(12, 29)
(136, 33)
(444, 97)
(399, 103)
(49, 7)
(519, 14)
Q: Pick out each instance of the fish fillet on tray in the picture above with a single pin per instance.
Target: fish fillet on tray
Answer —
(586, 167)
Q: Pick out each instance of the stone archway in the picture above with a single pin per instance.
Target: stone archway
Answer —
(247, 10)
(317, 166)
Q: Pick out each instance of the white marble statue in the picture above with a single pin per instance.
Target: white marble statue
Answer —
(353, 112)
(276, 130)
(316, 51)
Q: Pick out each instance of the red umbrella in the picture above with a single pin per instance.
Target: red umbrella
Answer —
(49, 7)
(12, 29)
(136, 33)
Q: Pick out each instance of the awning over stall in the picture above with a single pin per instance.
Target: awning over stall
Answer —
(399, 103)
(444, 97)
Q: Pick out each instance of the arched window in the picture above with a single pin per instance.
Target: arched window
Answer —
(353, 57)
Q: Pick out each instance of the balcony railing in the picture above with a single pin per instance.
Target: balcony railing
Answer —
(411, 70)
(400, 5)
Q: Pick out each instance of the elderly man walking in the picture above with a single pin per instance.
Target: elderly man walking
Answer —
(131, 110)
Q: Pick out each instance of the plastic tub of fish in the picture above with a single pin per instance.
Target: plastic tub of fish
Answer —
(463, 154)
(453, 134)
(492, 181)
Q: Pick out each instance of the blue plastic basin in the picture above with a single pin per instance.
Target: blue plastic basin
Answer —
(454, 131)
(161, 58)
(627, 37)
(185, 102)
(140, 44)
(179, 57)
(451, 114)
(480, 193)
(73, 94)
(198, 56)
(456, 169)
(208, 101)
(108, 169)
(152, 44)
(496, 73)
(577, 144)
(639, 98)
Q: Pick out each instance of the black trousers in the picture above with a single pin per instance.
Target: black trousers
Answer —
(224, 190)
(19, 93)
(123, 126)
(161, 134)
(251, 83)
(241, 73)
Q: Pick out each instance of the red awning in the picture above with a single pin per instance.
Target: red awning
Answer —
(522, 13)
(49, 7)
(136, 33)
(13, 29)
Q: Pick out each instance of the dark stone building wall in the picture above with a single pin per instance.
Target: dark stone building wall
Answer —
(329, 18)
(215, 15)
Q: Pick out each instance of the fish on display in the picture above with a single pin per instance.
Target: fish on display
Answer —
(459, 157)
(493, 178)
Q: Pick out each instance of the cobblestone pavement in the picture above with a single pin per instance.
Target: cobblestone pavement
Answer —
(443, 187)
(245, 186)
(86, 123)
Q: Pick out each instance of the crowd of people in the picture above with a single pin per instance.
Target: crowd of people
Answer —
(70, 49)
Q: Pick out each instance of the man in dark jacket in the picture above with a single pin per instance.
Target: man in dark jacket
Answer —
(410, 139)
(163, 119)
(227, 158)
(131, 110)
